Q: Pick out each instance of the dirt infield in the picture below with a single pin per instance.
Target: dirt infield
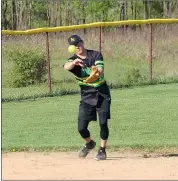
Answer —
(67, 166)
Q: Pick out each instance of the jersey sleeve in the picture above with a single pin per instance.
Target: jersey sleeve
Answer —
(99, 63)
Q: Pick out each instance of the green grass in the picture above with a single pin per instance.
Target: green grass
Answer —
(142, 118)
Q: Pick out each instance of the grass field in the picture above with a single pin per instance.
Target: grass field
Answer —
(142, 118)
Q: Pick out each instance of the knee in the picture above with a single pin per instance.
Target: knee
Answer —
(81, 130)
(84, 132)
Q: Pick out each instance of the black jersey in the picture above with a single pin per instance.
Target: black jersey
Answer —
(90, 91)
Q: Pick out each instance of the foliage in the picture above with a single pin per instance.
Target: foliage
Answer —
(39, 10)
(133, 77)
(36, 14)
(29, 67)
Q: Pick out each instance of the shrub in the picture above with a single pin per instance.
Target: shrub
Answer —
(133, 77)
(29, 67)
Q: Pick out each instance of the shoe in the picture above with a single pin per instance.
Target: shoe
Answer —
(86, 149)
(101, 155)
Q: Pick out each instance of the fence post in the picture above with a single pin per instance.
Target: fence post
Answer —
(48, 63)
(150, 36)
(100, 39)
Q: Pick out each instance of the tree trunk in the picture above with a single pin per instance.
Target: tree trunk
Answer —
(17, 7)
(170, 9)
(49, 14)
(84, 15)
(14, 16)
(23, 15)
(146, 9)
(167, 9)
(30, 15)
(65, 10)
(26, 16)
(60, 13)
(57, 12)
(132, 9)
(20, 13)
(135, 11)
(126, 9)
(4, 10)
(122, 12)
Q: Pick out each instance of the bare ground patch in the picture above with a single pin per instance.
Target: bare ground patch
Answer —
(67, 166)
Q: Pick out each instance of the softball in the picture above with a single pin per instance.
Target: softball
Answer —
(72, 49)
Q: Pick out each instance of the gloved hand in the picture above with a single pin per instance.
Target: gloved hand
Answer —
(94, 75)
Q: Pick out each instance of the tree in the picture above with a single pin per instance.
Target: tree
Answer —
(146, 9)
(4, 22)
(168, 9)
(14, 15)
(35, 14)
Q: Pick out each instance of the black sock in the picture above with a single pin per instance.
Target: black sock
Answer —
(89, 145)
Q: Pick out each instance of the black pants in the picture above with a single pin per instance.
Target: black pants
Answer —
(88, 113)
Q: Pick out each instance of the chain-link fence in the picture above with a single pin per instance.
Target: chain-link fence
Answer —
(133, 55)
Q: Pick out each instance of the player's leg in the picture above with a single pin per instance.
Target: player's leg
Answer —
(86, 114)
(104, 134)
(103, 114)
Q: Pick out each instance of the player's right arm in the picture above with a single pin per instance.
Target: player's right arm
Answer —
(72, 63)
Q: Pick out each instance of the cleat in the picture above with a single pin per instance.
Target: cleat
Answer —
(86, 149)
(101, 155)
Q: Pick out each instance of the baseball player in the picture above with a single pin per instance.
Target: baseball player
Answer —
(88, 68)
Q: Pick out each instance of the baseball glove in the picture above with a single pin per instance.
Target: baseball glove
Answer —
(94, 75)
